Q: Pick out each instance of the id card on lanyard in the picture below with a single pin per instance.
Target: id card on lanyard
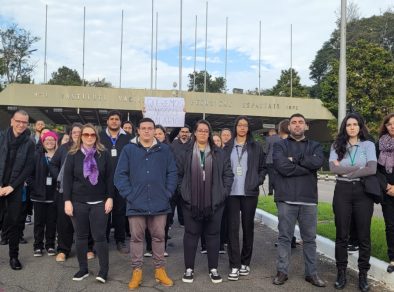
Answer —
(239, 169)
(114, 152)
(48, 181)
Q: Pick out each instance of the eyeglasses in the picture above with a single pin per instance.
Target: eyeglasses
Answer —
(203, 131)
(21, 122)
(89, 135)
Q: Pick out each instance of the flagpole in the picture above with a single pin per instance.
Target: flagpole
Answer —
(342, 67)
(151, 54)
(260, 58)
(121, 52)
(205, 58)
(83, 48)
(225, 61)
(195, 56)
(291, 60)
(46, 38)
(180, 49)
(157, 28)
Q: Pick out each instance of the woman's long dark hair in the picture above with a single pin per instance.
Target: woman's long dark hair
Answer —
(383, 129)
(166, 140)
(341, 141)
(249, 136)
(210, 139)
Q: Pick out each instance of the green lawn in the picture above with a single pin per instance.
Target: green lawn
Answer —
(326, 226)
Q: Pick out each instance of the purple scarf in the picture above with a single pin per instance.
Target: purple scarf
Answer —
(90, 165)
(386, 156)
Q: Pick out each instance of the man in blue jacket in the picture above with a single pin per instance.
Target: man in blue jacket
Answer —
(146, 176)
(297, 159)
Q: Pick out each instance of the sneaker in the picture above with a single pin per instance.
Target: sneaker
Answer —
(222, 250)
(90, 255)
(80, 275)
(61, 257)
(244, 270)
(204, 251)
(233, 275)
(165, 254)
(51, 251)
(148, 254)
(28, 220)
(215, 277)
(37, 252)
(102, 277)
(188, 276)
(122, 247)
(351, 249)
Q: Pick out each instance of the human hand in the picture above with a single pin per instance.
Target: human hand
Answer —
(68, 208)
(108, 205)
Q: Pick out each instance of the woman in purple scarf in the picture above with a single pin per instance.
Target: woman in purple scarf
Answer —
(88, 191)
(385, 147)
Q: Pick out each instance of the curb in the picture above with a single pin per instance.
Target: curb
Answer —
(327, 247)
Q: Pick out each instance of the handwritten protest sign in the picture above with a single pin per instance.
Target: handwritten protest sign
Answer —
(166, 111)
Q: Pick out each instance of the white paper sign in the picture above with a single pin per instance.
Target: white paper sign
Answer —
(166, 111)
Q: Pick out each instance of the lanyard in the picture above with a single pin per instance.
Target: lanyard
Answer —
(47, 160)
(352, 159)
(113, 140)
(242, 153)
(202, 156)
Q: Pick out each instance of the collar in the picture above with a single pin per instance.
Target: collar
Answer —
(305, 139)
(121, 132)
(137, 141)
(348, 145)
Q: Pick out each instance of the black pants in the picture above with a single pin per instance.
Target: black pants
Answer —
(176, 203)
(271, 178)
(11, 206)
(65, 229)
(350, 199)
(246, 205)
(44, 225)
(118, 218)
(21, 222)
(353, 232)
(88, 217)
(193, 231)
(388, 214)
(224, 227)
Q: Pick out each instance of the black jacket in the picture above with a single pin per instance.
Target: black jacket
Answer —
(21, 168)
(40, 191)
(177, 147)
(257, 169)
(222, 176)
(58, 159)
(384, 178)
(296, 179)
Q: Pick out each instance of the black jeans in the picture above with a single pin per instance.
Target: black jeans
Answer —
(176, 203)
(388, 214)
(118, 218)
(246, 205)
(350, 199)
(44, 225)
(11, 206)
(193, 230)
(88, 217)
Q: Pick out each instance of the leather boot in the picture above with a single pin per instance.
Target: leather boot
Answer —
(340, 283)
(363, 281)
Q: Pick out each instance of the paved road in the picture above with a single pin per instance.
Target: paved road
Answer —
(44, 274)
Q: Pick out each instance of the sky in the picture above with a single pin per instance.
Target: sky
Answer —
(312, 23)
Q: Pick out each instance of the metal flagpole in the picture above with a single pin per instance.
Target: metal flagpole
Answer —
(291, 60)
(121, 52)
(180, 50)
(195, 56)
(205, 58)
(151, 55)
(83, 49)
(342, 67)
(157, 27)
(225, 61)
(260, 58)
(46, 38)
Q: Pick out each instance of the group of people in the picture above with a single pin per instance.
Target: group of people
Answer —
(133, 178)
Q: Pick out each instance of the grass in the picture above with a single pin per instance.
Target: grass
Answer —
(326, 225)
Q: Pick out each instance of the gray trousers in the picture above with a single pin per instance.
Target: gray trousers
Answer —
(288, 215)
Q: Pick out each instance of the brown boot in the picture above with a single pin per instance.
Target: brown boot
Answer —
(161, 277)
(136, 279)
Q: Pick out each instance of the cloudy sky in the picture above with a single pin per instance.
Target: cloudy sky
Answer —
(312, 21)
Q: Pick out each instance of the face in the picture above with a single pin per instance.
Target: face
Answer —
(242, 128)
(75, 134)
(159, 135)
(128, 128)
(19, 123)
(390, 127)
(65, 139)
(49, 143)
(217, 141)
(226, 136)
(114, 123)
(184, 134)
(202, 134)
(39, 126)
(352, 128)
(297, 127)
(146, 131)
(88, 137)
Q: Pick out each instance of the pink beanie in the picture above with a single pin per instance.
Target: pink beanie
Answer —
(49, 134)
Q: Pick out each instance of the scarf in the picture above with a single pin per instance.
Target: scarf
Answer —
(386, 155)
(201, 196)
(90, 169)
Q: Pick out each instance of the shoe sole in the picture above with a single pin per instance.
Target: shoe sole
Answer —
(216, 281)
(244, 274)
(233, 278)
(60, 260)
(80, 279)
(187, 280)
(100, 279)
(167, 285)
(37, 255)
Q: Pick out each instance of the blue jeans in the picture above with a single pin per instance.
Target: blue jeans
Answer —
(306, 216)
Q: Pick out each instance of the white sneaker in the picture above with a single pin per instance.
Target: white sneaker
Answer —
(244, 270)
(233, 275)
(215, 277)
(188, 276)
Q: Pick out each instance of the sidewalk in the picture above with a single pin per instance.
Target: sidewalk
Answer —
(44, 274)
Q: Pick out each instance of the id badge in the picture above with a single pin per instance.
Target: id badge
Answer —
(203, 175)
(239, 170)
(114, 153)
(49, 181)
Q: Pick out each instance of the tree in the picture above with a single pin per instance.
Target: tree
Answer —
(100, 83)
(370, 83)
(15, 53)
(282, 87)
(65, 76)
(214, 84)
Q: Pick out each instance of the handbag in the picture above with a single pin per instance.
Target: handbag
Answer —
(372, 188)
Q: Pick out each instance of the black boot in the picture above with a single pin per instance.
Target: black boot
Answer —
(341, 279)
(363, 281)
